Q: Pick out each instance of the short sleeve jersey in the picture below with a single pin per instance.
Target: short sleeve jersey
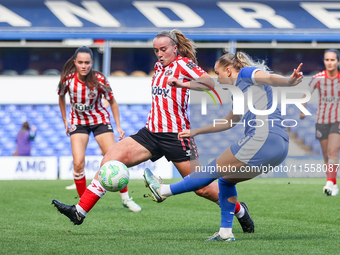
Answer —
(329, 97)
(86, 104)
(169, 104)
(262, 98)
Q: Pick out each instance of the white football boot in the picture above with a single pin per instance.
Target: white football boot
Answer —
(72, 186)
(335, 190)
(328, 188)
(129, 203)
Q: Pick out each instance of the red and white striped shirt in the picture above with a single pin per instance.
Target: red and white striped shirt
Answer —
(86, 105)
(329, 97)
(169, 104)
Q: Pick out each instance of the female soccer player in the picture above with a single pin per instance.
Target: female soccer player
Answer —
(86, 88)
(168, 116)
(328, 116)
(262, 146)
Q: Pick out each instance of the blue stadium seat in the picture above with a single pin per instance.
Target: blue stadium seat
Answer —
(10, 145)
(12, 126)
(43, 126)
(92, 144)
(42, 145)
(27, 108)
(51, 72)
(11, 108)
(309, 138)
(5, 120)
(32, 114)
(316, 147)
(136, 108)
(53, 139)
(58, 145)
(47, 152)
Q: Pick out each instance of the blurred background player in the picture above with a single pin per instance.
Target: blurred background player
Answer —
(168, 116)
(262, 145)
(327, 124)
(24, 138)
(73, 185)
(86, 88)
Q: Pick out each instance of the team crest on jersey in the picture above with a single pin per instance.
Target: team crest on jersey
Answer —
(92, 95)
(73, 128)
(168, 73)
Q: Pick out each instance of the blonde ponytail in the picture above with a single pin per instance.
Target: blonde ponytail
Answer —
(240, 60)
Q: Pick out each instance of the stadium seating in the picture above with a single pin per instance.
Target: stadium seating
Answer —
(9, 72)
(30, 72)
(52, 140)
(119, 73)
(51, 72)
(138, 73)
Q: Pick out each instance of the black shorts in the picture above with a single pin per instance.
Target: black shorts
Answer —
(96, 129)
(323, 130)
(166, 144)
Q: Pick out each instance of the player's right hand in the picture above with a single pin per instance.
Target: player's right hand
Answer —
(184, 134)
(67, 128)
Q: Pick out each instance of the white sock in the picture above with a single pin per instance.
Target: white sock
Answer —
(329, 183)
(165, 190)
(81, 210)
(225, 232)
(240, 212)
(125, 195)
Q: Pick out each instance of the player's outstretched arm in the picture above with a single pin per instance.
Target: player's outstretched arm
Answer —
(277, 80)
(218, 126)
(203, 82)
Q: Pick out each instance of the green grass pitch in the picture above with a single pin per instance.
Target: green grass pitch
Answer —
(291, 216)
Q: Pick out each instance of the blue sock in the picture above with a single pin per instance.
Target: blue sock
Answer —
(196, 180)
(227, 190)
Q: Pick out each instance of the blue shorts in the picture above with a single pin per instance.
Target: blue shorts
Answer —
(261, 150)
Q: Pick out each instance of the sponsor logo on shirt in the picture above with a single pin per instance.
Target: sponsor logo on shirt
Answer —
(157, 91)
(331, 99)
(191, 65)
(242, 141)
(82, 107)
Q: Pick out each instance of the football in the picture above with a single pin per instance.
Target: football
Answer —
(114, 176)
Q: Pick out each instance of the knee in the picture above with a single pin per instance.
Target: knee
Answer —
(333, 154)
(78, 166)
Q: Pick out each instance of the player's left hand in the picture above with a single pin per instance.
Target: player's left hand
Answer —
(121, 133)
(296, 76)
